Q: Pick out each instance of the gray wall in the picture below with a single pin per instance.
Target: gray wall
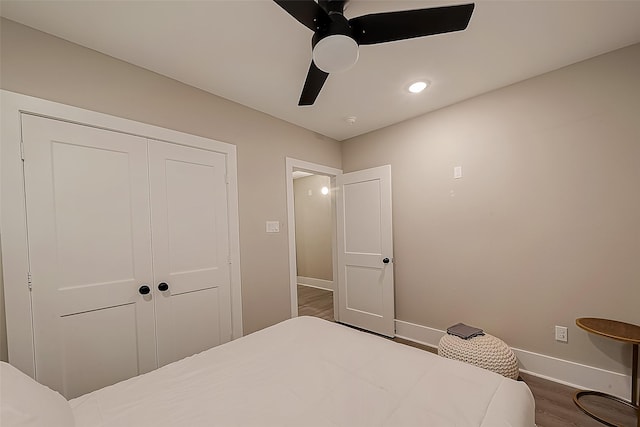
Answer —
(37, 64)
(313, 227)
(544, 226)
(3, 325)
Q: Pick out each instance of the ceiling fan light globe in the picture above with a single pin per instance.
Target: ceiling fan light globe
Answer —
(335, 53)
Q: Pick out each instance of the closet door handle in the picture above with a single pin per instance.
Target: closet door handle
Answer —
(144, 289)
(386, 260)
(163, 287)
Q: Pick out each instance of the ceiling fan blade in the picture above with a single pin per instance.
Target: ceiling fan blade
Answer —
(407, 24)
(307, 12)
(312, 85)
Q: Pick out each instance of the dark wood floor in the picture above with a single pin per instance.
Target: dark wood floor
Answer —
(554, 402)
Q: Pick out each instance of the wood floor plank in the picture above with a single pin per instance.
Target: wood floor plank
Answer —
(554, 401)
(315, 302)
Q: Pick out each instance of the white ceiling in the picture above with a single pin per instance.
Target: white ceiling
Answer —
(253, 53)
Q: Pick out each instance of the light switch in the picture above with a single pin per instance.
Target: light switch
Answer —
(273, 226)
(457, 172)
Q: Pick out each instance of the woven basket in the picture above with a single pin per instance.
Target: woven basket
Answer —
(485, 351)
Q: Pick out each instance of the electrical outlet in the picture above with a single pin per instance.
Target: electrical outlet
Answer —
(561, 333)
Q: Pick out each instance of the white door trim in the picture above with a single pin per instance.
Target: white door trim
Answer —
(13, 215)
(296, 165)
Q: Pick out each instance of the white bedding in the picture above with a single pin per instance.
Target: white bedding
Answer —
(310, 372)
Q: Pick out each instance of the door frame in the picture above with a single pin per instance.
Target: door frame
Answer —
(316, 169)
(13, 228)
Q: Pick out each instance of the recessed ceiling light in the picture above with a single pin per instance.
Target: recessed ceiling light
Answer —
(417, 87)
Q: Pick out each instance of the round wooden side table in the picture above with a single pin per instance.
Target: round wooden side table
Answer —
(619, 331)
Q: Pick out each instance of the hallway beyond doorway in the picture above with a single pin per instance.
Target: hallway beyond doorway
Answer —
(315, 302)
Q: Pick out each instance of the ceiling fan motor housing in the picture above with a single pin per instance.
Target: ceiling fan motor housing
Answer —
(334, 48)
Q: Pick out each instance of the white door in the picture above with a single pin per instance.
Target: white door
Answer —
(89, 253)
(190, 249)
(365, 250)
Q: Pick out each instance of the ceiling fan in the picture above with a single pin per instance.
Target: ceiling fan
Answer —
(336, 39)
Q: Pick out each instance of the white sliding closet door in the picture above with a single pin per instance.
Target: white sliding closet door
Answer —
(89, 239)
(190, 249)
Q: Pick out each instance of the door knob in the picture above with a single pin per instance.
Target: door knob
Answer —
(144, 289)
(163, 287)
(386, 260)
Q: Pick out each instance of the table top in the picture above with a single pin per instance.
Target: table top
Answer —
(614, 329)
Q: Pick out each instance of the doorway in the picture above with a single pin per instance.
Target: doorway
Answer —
(314, 250)
(362, 245)
(312, 239)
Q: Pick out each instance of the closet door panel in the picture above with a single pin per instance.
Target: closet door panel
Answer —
(191, 312)
(89, 241)
(106, 366)
(190, 249)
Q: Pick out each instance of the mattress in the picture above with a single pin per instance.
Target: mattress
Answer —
(310, 372)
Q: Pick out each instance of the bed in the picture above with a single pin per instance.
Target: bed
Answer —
(301, 372)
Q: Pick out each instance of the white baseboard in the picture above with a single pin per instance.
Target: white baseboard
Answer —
(418, 333)
(561, 371)
(327, 285)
